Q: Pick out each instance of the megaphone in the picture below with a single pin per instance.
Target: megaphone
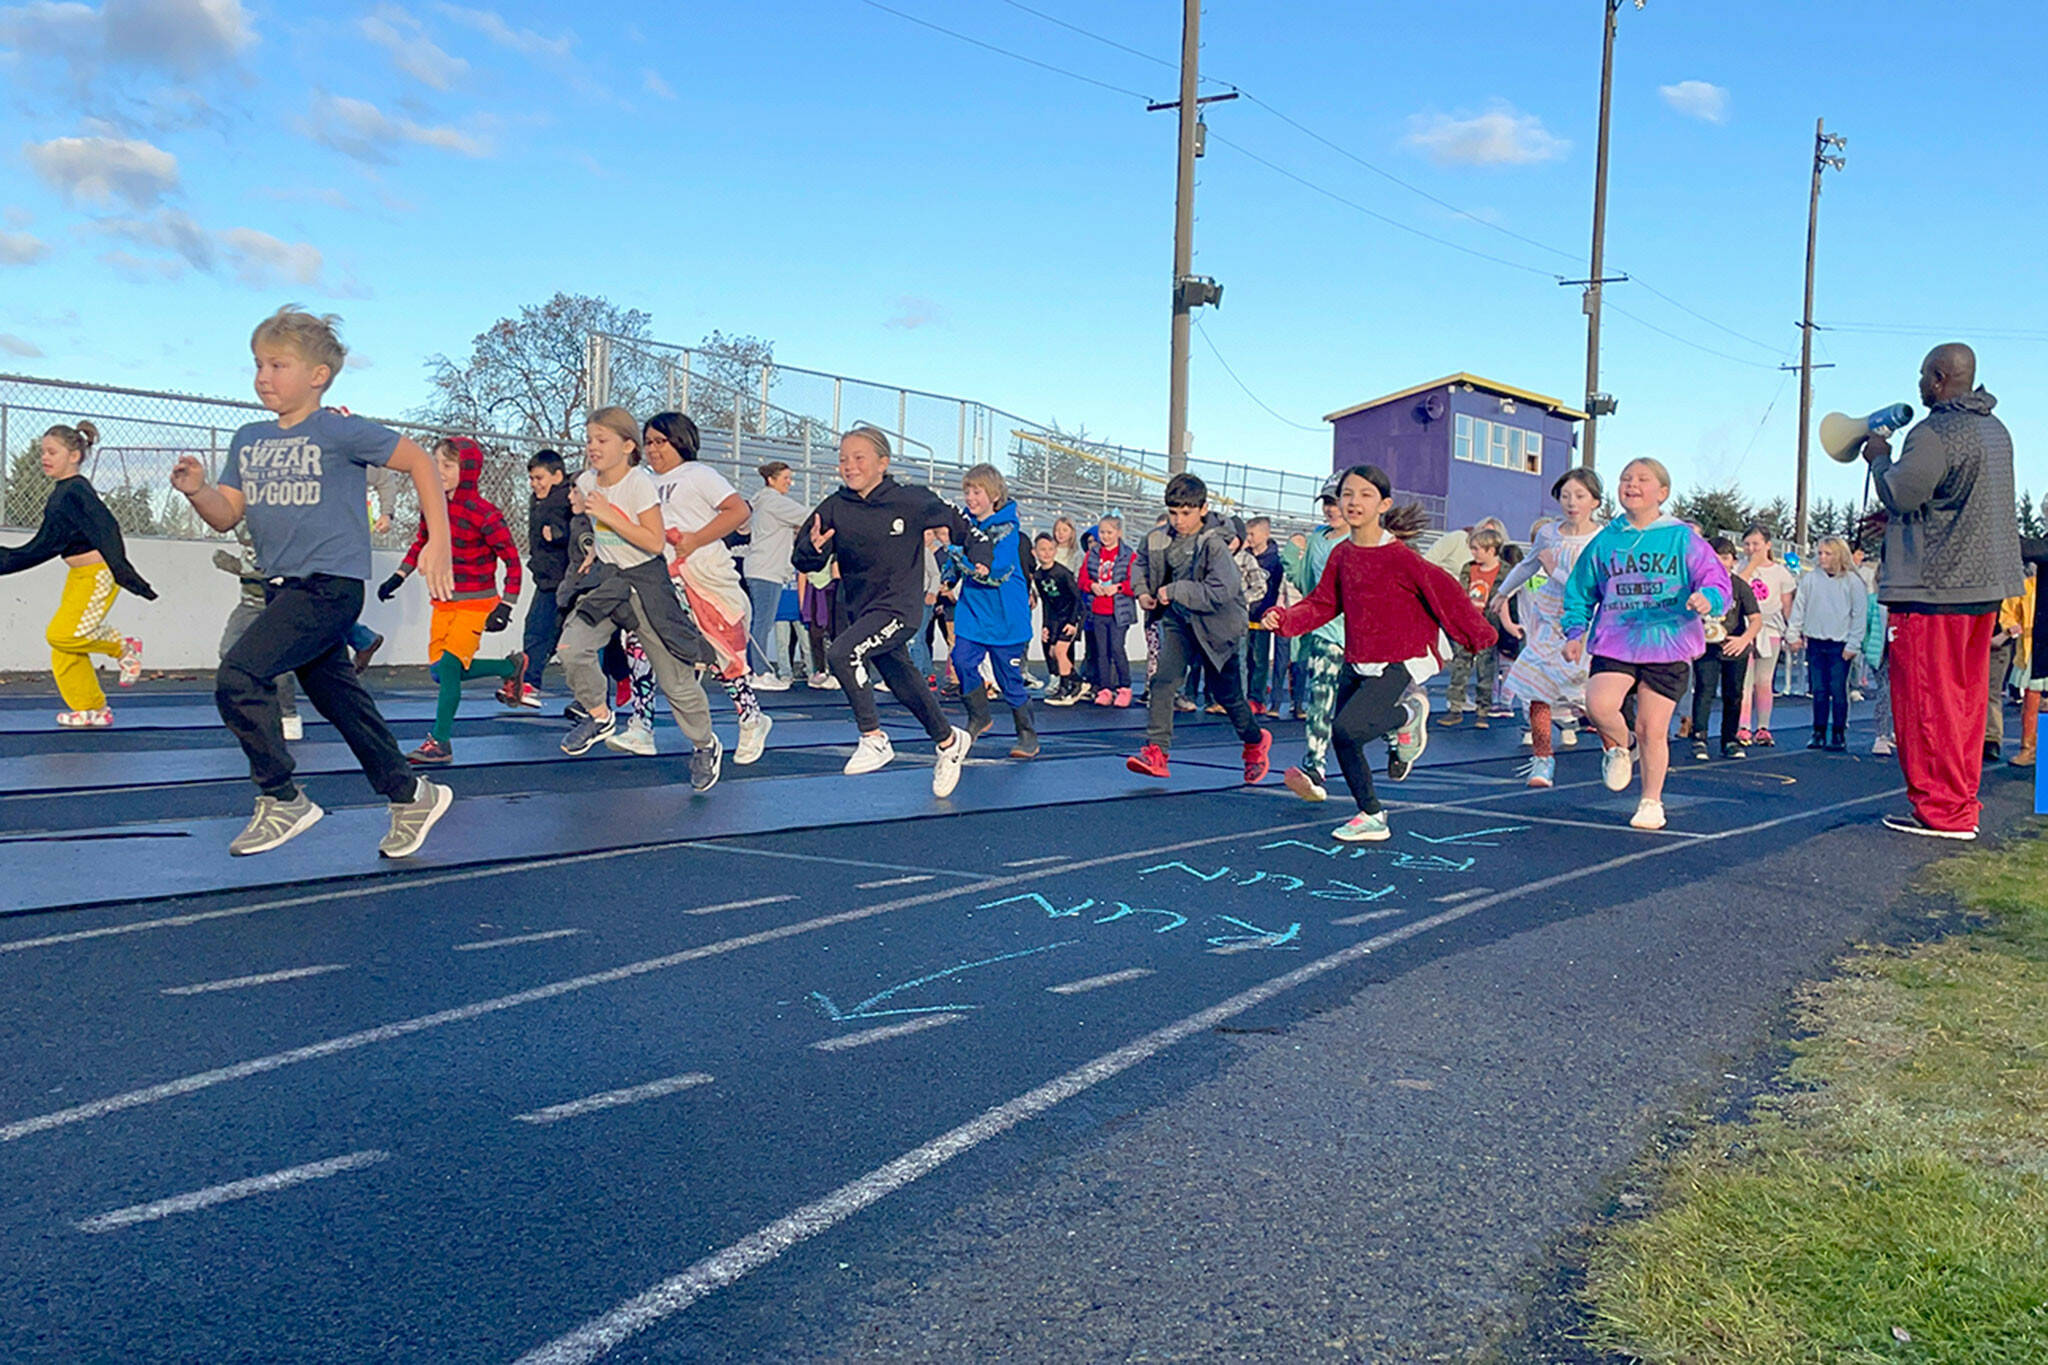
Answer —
(1841, 434)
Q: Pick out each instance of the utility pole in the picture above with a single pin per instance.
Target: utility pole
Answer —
(1598, 403)
(1183, 237)
(1827, 148)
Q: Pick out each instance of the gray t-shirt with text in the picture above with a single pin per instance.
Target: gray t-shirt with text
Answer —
(307, 491)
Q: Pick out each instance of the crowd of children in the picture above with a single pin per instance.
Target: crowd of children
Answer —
(637, 590)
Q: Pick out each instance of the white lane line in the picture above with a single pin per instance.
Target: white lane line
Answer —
(1035, 862)
(894, 881)
(612, 1099)
(235, 983)
(405, 1028)
(886, 1031)
(739, 905)
(1467, 894)
(1369, 916)
(1605, 827)
(484, 943)
(1093, 983)
(235, 1189)
(758, 1248)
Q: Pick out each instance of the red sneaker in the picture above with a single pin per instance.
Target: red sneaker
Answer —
(433, 753)
(622, 695)
(1258, 708)
(1150, 761)
(1256, 756)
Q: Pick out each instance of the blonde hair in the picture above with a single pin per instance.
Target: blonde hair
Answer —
(989, 480)
(874, 436)
(313, 337)
(1654, 466)
(620, 422)
(78, 440)
(1073, 535)
(1842, 557)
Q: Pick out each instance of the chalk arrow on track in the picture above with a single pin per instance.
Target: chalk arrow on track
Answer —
(867, 1009)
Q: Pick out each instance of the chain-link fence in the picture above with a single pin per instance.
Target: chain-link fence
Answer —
(937, 438)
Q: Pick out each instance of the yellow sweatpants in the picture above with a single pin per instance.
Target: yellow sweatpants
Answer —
(78, 631)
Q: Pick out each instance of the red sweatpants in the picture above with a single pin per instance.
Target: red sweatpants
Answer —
(1940, 667)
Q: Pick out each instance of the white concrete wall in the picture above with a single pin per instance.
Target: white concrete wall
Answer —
(181, 629)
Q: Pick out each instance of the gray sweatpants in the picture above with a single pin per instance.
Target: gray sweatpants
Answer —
(580, 646)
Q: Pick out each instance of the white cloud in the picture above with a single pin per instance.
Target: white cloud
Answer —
(913, 312)
(1697, 99)
(257, 259)
(1502, 136)
(261, 260)
(21, 248)
(15, 345)
(169, 230)
(19, 217)
(521, 40)
(68, 32)
(412, 51)
(360, 129)
(99, 170)
(188, 37)
(141, 270)
(655, 85)
(323, 195)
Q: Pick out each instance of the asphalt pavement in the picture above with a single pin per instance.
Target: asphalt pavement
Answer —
(1076, 1066)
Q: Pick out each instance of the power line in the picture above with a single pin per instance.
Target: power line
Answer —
(1109, 42)
(1006, 52)
(1774, 350)
(1908, 329)
(1683, 341)
(1298, 426)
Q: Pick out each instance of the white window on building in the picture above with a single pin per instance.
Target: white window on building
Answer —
(1463, 448)
(1479, 441)
(1532, 451)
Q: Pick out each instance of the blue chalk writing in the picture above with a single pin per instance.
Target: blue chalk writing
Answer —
(1476, 837)
(1123, 909)
(1254, 936)
(1345, 891)
(1192, 872)
(1431, 862)
(1326, 850)
(1042, 903)
(866, 1008)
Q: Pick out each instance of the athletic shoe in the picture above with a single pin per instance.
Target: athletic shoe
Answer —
(1649, 815)
(1762, 739)
(1856, 694)
(1410, 740)
(1819, 740)
(1881, 746)
(946, 772)
(294, 728)
(1258, 757)
(1306, 783)
(1215, 708)
(753, 739)
(275, 822)
(770, 682)
(1700, 753)
(131, 661)
(1730, 749)
(1122, 698)
(1479, 721)
(705, 764)
(588, 734)
(530, 693)
(1183, 704)
(1064, 696)
(1568, 736)
(636, 738)
(1363, 829)
(513, 693)
(432, 753)
(1615, 768)
(410, 820)
(1528, 739)
(574, 712)
(1104, 697)
(824, 682)
(872, 752)
(367, 653)
(97, 719)
(1542, 771)
(1452, 718)
(1743, 736)
(1909, 823)
(1258, 708)
(1149, 761)
(1992, 752)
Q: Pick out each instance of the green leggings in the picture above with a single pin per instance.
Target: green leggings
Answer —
(1325, 668)
(449, 672)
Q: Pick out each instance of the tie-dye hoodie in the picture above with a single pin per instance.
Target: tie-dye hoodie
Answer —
(1631, 587)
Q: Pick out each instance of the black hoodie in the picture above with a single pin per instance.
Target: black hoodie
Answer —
(879, 541)
(547, 537)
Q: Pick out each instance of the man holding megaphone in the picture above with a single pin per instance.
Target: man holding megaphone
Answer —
(1951, 554)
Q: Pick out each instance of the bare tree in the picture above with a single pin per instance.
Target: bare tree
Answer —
(525, 375)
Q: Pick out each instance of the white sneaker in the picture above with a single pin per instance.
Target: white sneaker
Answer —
(294, 727)
(1615, 769)
(636, 738)
(1569, 736)
(872, 752)
(1528, 739)
(1881, 746)
(824, 682)
(1649, 815)
(770, 682)
(946, 772)
(753, 739)
(1363, 829)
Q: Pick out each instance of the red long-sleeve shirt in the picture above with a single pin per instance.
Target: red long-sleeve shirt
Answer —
(1393, 601)
(477, 536)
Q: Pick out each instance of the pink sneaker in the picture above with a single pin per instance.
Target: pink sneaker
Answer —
(131, 661)
(1123, 696)
(1104, 697)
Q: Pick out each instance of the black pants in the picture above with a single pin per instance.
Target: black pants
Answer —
(1109, 665)
(881, 640)
(1177, 649)
(1366, 709)
(304, 631)
(1710, 671)
(1828, 673)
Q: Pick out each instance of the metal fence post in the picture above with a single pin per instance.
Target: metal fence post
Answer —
(765, 368)
(963, 432)
(6, 462)
(736, 418)
(837, 425)
(685, 395)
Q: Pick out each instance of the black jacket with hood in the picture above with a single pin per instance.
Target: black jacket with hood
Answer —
(879, 542)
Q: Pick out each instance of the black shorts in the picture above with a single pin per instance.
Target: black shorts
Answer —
(1667, 680)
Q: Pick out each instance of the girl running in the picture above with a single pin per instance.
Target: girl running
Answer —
(1640, 588)
(993, 624)
(78, 526)
(1394, 604)
(699, 508)
(1542, 678)
(1774, 587)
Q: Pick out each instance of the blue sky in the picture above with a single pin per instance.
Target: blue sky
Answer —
(883, 200)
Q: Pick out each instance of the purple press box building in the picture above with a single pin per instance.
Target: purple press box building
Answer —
(1465, 447)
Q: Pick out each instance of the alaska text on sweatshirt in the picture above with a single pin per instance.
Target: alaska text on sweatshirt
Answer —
(1630, 587)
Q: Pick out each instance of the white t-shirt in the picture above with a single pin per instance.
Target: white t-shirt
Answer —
(632, 495)
(690, 494)
(1773, 585)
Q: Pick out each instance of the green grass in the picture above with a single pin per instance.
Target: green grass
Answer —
(1891, 1204)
